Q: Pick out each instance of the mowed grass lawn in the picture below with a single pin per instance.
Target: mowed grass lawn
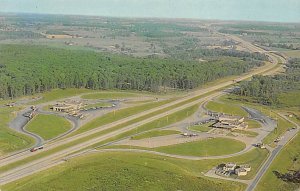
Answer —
(226, 108)
(208, 147)
(123, 171)
(48, 126)
(288, 159)
(155, 133)
(201, 128)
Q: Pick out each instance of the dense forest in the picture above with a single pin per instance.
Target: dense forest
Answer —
(267, 88)
(26, 70)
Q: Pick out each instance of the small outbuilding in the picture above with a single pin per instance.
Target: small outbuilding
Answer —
(241, 172)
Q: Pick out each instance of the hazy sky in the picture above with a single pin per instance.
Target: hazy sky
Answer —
(261, 10)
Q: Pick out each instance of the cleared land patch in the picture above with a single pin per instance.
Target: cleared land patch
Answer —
(48, 126)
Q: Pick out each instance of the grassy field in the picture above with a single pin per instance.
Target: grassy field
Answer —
(123, 171)
(106, 171)
(248, 133)
(100, 104)
(210, 147)
(254, 158)
(288, 159)
(226, 108)
(48, 126)
(10, 140)
(293, 53)
(252, 124)
(290, 99)
(155, 133)
(60, 94)
(201, 128)
(109, 95)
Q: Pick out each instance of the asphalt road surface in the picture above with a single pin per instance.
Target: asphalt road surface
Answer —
(19, 123)
(289, 135)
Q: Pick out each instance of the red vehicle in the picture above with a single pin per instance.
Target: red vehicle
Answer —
(36, 148)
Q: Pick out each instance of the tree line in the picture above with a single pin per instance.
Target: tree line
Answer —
(265, 89)
(30, 69)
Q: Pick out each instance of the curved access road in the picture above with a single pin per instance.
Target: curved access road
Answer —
(20, 121)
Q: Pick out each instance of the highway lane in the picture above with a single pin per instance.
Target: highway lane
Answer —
(287, 137)
(264, 168)
(33, 165)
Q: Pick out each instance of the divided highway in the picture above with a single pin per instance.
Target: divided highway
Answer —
(56, 158)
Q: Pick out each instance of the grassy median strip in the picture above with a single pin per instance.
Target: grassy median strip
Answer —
(159, 123)
(155, 133)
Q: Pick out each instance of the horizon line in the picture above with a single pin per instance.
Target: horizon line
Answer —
(152, 17)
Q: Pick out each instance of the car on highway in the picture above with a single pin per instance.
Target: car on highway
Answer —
(36, 148)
